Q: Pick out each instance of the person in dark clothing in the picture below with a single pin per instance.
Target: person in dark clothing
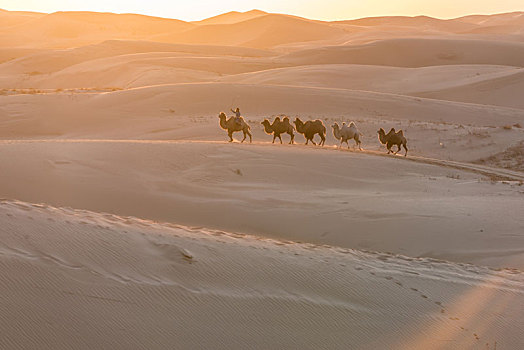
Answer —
(237, 115)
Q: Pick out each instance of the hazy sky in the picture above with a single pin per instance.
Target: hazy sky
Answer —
(317, 9)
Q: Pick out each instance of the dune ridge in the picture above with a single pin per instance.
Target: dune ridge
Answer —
(130, 270)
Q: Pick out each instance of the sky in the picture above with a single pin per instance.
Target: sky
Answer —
(190, 10)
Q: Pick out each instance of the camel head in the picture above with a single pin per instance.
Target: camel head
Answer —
(299, 124)
(381, 135)
(222, 116)
(336, 131)
(267, 126)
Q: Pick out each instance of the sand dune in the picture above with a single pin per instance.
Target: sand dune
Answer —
(13, 18)
(50, 61)
(388, 79)
(11, 54)
(345, 199)
(422, 23)
(67, 29)
(172, 106)
(232, 17)
(123, 70)
(103, 280)
(261, 32)
(495, 19)
(252, 29)
(501, 91)
(416, 53)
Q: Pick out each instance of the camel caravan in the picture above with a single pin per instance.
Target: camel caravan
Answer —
(282, 125)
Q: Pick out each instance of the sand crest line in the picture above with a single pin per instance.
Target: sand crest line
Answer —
(100, 219)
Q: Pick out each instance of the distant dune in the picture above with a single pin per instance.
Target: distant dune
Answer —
(416, 53)
(232, 17)
(420, 22)
(496, 19)
(66, 29)
(260, 32)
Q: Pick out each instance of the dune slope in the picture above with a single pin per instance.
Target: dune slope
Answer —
(80, 279)
(298, 193)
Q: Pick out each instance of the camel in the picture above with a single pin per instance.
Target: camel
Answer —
(393, 138)
(310, 128)
(347, 133)
(231, 125)
(279, 127)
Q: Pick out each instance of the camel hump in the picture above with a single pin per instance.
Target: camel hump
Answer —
(400, 133)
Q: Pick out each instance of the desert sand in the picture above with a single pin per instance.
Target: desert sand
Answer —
(128, 220)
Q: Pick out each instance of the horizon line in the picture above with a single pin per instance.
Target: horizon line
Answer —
(265, 12)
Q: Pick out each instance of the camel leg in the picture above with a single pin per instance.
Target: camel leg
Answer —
(274, 137)
(323, 140)
(244, 136)
(388, 146)
(313, 142)
(357, 142)
(280, 138)
(398, 150)
(406, 148)
(292, 141)
(230, 134)
(250, 138)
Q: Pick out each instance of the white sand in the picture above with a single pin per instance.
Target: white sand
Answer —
(282, 246)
